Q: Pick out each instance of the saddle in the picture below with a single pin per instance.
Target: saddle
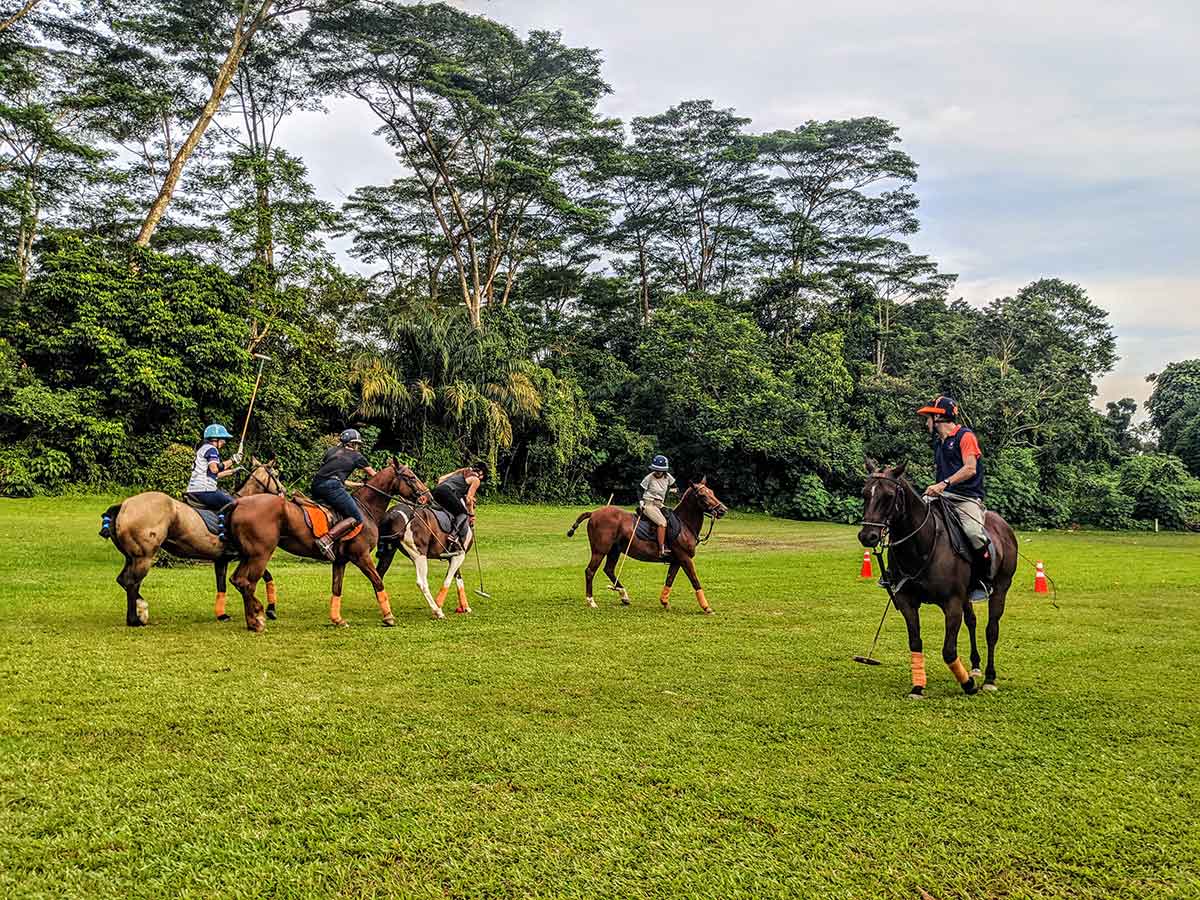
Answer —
(320, 519)
(647, 530)
(959, 541)
(213, 521)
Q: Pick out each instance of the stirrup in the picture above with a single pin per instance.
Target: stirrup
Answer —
(979, 593)
(325, 543)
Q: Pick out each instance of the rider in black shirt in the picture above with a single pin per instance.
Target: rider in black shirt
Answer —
(329, 486)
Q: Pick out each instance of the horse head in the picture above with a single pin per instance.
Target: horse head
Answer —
(708, 500)
(263, 479)
(403, 482)
(885, 501)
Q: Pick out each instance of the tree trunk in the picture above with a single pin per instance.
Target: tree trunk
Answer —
(241, 37)
(264, 238)
(18, 15)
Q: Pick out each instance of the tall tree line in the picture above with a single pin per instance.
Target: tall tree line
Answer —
(554, 291)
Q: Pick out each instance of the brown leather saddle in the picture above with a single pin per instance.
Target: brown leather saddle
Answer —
(320, 519)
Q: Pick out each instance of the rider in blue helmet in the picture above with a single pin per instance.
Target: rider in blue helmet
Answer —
(329, 485)
(207, 468)
(655, 488)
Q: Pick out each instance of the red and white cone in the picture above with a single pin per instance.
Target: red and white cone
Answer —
(1039, 580)
(866, 566)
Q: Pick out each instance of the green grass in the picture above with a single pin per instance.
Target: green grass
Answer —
(538, 748)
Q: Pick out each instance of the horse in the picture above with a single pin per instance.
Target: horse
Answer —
(260, 524)
(416, 531)
(924, 567)
(145, 523)
(611, 527)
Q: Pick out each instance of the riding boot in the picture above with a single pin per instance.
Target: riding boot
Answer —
(662, 541)
(457, 533)
(327, 541)
(981, 578)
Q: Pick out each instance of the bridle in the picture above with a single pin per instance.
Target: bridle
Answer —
(275, 486)
(710, 513)
(886, 544)
(408, 477)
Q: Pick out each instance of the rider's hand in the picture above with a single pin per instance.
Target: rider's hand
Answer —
(935, 490)
(237, 458)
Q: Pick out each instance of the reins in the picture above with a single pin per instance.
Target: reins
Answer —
(887, 545)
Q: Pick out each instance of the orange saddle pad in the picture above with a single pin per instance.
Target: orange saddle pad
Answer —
(319, 518)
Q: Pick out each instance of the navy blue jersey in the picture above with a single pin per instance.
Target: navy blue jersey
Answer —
(948, 455)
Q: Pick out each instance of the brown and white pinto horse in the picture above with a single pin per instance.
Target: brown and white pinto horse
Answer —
(415, 531)
(145, 523)
(924, 568)
(260, 524)
(609, 530)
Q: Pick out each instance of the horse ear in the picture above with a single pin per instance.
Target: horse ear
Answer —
(900, 469)
(394, 462)
(871, 465)
(271, 464)
(254, 463)
(704, 480)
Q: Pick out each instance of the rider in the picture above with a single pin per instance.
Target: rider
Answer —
(959, 465)
(329, 486)
(654, 495)
(207, 468)
(455, 493)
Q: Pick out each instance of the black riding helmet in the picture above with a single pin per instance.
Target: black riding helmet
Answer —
(944, 408)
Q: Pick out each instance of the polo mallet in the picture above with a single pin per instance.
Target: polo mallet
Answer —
(479, 563)
(262, 361)
(869, 659)
(621, 564)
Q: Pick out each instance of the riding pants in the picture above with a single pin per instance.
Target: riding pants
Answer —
(652, 512)
(214, 500)
(970, 513)
(333, 493)
(449, 500)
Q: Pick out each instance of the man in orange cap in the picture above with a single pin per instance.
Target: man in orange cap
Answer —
(959, 464)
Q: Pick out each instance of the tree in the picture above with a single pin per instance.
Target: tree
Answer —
(495, 128)
(1174, 407)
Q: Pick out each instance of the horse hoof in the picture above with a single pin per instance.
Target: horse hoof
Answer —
(989, 687)
(389, 621)
(969, 687)
(339, 623)
(271, 612)
(710, 611)
(224, 617)
(916, 696)
(624, 601)
(134, 623)
(591, 603)
(439, 615)
(976, 673)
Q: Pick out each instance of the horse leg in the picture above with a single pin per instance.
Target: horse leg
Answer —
(383, 559)
(245, 579)
(137, 610)
(995, 611)
(335, 593)
(221, 566)
(610, 569)
(665, 597)
(421, 564)
(954, 617)
(969, 621)
(367, 566)
(689, 569)
(916, 650)
(464, 606)
(589, 573)
(271, 597)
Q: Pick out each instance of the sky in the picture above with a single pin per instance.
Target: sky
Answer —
(1054, 139)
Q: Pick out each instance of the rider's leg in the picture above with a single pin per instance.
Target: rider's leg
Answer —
(655, 515)
(970, 513)
(335, 494)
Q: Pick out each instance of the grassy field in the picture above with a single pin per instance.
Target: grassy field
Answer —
(538, 748)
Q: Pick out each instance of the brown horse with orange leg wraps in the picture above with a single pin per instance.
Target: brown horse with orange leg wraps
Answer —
(611, 527)
(260, 524)
(923, 567)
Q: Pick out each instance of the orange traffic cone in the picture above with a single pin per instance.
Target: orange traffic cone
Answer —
(1039, 580)
(866, 566)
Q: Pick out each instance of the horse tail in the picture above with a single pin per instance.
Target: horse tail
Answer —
(108, 521)
(583, 517)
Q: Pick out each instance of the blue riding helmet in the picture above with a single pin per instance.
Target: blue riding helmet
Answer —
(350, 436)
(214, 431)
(660, 464)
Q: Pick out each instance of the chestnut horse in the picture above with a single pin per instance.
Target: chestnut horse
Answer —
(415, 531)
(924, 568)
(145, 523)
(609, 530)
(260, 524)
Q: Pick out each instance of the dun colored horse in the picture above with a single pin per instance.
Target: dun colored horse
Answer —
(415, 531)
(150, 521)
(610, 528)
(260, 524)
(924, 568)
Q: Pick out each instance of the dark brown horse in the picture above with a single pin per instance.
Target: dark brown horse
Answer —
(415, 531)
(260, 524)
(609, 530)
(150, 521)
(924, 568)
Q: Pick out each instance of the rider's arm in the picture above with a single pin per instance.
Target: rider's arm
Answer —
(472, 487)
(365, 465)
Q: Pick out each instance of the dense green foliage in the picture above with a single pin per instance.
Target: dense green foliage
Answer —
(538, 748)
(550, 293)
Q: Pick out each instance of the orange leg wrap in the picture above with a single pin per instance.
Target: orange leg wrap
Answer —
(385, 605)
(335, 607)
(959, 670)
(271, 592)
(665, 597)
(219, 605)
(462, 599)
(918, 669)
(700, 599)
(441, 597)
